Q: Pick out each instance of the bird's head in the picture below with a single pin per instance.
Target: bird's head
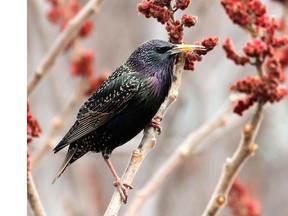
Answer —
(155, 54)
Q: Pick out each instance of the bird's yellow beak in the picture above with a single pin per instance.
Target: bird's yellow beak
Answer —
(186, 47)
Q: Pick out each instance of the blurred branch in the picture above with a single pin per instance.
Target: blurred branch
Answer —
(232, 166)
(147, 143)
(178, 157)
(38, 22)
(58, 122)
(33, 197)
(62, 41)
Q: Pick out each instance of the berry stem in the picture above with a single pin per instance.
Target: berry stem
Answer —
(258, 65)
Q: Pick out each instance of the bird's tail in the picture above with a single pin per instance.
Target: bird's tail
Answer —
(65, 163)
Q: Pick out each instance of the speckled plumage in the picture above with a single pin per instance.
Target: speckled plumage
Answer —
(123, 105)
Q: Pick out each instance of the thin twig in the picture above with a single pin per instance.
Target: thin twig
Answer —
(178, 157)
(232, 166)
(147, 143)
(69, 33)
(58, 122)
(33, 197)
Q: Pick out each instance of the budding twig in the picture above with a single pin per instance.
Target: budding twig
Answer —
(33, 197)
(62, 41)
(245, 150)
(261, 89)
(177, 158)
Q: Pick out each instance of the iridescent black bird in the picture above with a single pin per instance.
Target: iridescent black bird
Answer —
(123, 105)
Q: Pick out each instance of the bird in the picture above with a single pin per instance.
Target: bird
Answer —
(123, 105)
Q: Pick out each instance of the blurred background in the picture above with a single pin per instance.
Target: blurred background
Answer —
(86, 187)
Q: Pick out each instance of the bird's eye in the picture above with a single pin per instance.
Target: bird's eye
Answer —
(162, 50)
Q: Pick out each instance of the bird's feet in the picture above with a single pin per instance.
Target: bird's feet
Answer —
(123, 188)
(155, 122)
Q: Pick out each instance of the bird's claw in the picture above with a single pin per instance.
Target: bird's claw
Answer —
(155, 123)
(123, 188)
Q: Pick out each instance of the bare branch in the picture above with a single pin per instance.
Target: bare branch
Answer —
(69, 33)
(233, 165)
(178, 157)
(147, 143)
(33, 197)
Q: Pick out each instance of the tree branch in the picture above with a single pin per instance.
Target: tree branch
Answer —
(178, 157)
(62, 41)
(233, 165)
(147, 143)
(33, 197)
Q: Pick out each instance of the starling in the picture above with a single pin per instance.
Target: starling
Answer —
(123, 105)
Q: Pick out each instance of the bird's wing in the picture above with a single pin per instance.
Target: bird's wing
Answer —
(102, 106)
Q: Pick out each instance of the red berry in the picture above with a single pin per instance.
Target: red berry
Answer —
(86, 28)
